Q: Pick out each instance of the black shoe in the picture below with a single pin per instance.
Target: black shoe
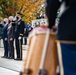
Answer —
(10, 57)
(3, 56)
(18, 59)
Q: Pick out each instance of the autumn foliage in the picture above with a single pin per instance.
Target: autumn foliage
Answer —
(29, 8)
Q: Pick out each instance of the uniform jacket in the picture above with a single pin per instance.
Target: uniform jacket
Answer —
(67, 25)
(19, 29)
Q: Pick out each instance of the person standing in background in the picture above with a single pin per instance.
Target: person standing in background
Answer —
(19, 31)
(10, 34)
(4, 37)
(27, 30)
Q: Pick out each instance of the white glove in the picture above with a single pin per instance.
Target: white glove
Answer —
(19, 37)
(5, 39)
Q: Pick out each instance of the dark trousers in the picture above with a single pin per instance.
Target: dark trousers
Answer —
(67, 58)
(5, 48)
(25, 38)
(11, 48)
(18, 44)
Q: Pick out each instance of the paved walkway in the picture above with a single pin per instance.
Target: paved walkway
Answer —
(11, 66)
(4, 71)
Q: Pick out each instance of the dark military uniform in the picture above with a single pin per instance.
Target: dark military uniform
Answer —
(66, 36)
(19, 31)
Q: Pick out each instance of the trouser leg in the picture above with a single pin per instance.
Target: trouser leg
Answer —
(18, 48)
(5, 48)
(12, 48)
(9, 55)
(67, 55)
(25, 41)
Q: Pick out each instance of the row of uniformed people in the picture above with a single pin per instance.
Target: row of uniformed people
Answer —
(13, 29)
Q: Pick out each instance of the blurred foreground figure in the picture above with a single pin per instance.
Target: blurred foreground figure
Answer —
(66, 36)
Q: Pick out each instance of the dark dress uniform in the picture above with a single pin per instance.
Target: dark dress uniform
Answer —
(66, 33)
(19, 31)
(10, 34)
